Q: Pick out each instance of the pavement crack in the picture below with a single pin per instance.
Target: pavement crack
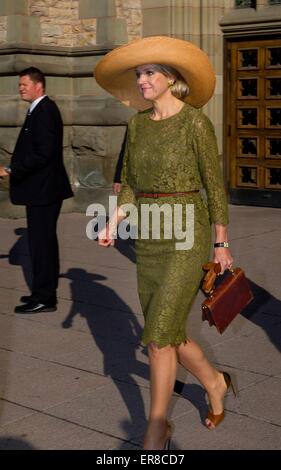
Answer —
(74, 423)
(256, 418)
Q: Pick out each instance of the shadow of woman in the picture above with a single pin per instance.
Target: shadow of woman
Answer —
(116, 332)
(126, 248)
(16, 256)
(19, 255)
(265, 311)
(11, 443)
(195, 394)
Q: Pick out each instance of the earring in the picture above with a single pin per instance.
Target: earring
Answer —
(170, 83)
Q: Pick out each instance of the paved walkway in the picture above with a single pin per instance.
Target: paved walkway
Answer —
(78, 378)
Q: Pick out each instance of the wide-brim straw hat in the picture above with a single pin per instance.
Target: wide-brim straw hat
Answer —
(115, 72)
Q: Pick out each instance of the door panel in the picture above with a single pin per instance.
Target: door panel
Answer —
(253, 121)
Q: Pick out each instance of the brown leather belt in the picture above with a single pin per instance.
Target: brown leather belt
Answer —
(157, 195)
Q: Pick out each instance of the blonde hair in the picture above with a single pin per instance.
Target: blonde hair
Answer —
(180, 88)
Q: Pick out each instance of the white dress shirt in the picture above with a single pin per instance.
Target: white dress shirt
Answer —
(35, 103)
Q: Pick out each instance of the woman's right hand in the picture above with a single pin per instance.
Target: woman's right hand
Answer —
(105, 238)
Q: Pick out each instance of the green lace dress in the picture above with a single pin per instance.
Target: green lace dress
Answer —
(177, 154)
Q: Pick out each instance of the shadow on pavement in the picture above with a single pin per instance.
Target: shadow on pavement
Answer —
(195, 394)
(265, 312)
(116, 332)
(19, 254)
(10, 443)
(126, 248)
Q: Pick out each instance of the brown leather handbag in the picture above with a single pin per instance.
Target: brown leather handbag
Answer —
(228, 295)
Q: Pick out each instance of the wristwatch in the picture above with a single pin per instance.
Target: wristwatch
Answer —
(221, 245)
(8, 169)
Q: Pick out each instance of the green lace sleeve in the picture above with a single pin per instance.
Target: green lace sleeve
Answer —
(205, 144)
(126, 195)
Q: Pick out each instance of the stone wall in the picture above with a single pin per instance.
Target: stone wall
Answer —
(131, 11)
(61, 25)
(65, 38)
(3, 29)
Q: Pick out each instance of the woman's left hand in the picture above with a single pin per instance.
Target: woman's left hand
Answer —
(223, 256)
(3, 172)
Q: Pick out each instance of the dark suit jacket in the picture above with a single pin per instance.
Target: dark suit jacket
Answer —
(119, 166)
(38, 174)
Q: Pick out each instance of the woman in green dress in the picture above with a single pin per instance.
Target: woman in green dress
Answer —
(171, 154)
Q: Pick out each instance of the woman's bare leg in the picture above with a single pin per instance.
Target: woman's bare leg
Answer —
(192, 358)
(163, 369)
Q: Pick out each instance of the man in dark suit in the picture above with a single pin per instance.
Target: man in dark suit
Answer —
(118, 170)
(39, 181)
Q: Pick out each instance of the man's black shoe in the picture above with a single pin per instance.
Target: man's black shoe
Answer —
(35, 307)
(26, 298)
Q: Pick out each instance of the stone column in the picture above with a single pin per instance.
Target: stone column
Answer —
(196, 21)
(175, 18)
(99, 122)
(261, 4)
(212, 43)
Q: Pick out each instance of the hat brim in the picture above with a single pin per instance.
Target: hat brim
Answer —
(115, 72)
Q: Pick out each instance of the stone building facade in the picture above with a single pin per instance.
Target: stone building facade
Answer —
(66, 38)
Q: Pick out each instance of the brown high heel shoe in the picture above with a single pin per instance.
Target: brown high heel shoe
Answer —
(217, 419)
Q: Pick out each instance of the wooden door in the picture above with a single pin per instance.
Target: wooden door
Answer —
(253, 121)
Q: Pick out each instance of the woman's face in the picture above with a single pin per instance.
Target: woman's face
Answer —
(152, 84)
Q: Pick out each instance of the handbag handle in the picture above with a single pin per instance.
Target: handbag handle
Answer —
(213, 269)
